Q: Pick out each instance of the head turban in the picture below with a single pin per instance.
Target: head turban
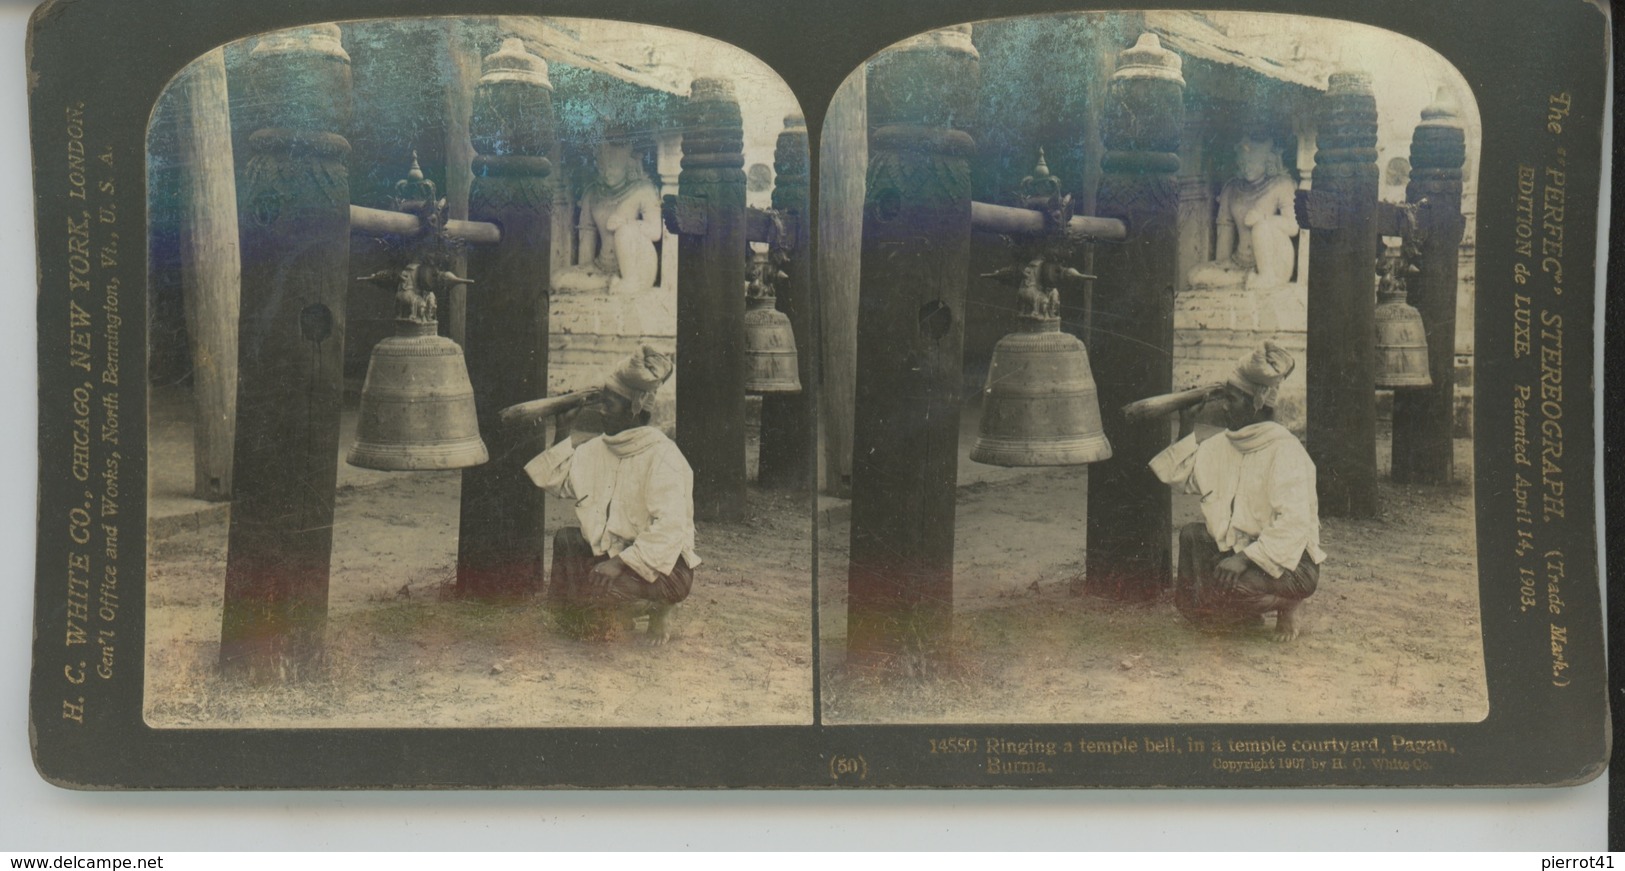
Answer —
(639, 376)
(1259, 374)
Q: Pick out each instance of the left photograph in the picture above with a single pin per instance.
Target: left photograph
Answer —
(479, 381)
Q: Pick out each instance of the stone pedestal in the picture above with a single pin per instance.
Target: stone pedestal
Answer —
(592, 331)
(1215, 326)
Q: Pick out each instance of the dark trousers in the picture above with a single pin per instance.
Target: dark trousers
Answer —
(570, 583)
(1205, 602)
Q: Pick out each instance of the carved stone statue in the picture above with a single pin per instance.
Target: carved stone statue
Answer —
(1256, 222)
(620, 223)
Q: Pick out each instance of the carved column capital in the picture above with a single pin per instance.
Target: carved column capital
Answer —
(512, 126)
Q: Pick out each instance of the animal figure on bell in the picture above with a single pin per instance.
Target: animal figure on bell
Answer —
(1038, 295)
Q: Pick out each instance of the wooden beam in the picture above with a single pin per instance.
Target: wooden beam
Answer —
(759, 224)
(384, 222)
(1390, 219)
(990, 218)
(1131, 346)
(501, 536)
(294, 222)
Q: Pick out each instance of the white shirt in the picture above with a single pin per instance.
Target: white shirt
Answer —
(634, 496)
(1258, 492)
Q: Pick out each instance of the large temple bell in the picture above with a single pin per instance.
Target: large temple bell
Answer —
(771, 366)
(1040, 406)
(1402, 348)
(417, 405)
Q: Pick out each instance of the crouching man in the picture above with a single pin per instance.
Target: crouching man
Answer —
(634, 497)
(1258, 550)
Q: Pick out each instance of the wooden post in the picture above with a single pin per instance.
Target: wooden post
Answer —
(668, 163)
(564, 216)
(843, 162)
(788, 420)
(1424, 419)
(462, 67)
(1131, 342)
(211, 269)
(1341, 389)
(915, 264)
(501, 538)
(711, 301)
(294, 218)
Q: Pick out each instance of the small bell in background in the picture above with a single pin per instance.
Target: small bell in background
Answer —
(1402, 348)
(771, 365)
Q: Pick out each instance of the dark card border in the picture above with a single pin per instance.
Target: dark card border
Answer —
(1535, 735)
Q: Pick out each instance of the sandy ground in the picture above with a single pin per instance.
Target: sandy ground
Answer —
(1392, 635)
(403, 653)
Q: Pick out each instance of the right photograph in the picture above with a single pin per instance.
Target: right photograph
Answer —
(1147, 376)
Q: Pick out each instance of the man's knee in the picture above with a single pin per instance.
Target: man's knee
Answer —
(628, 588)
(673, 588)
(1295, 585)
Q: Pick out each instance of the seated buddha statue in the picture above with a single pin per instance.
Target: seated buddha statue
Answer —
(620, 224)
(1256, 222)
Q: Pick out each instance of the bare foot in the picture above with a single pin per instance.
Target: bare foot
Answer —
(1286, 623)
(659, 631)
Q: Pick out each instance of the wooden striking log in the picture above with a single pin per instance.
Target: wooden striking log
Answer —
(1167, 403)
(1130, 514)
(501, 538)
(1424, 418)
(211, 269)
(548, 406)
(711, 302)
(294, 222)
(1341, 367)
(788, 421)
(915, 267)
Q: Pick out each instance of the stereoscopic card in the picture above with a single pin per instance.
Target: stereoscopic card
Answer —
(869, 395)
